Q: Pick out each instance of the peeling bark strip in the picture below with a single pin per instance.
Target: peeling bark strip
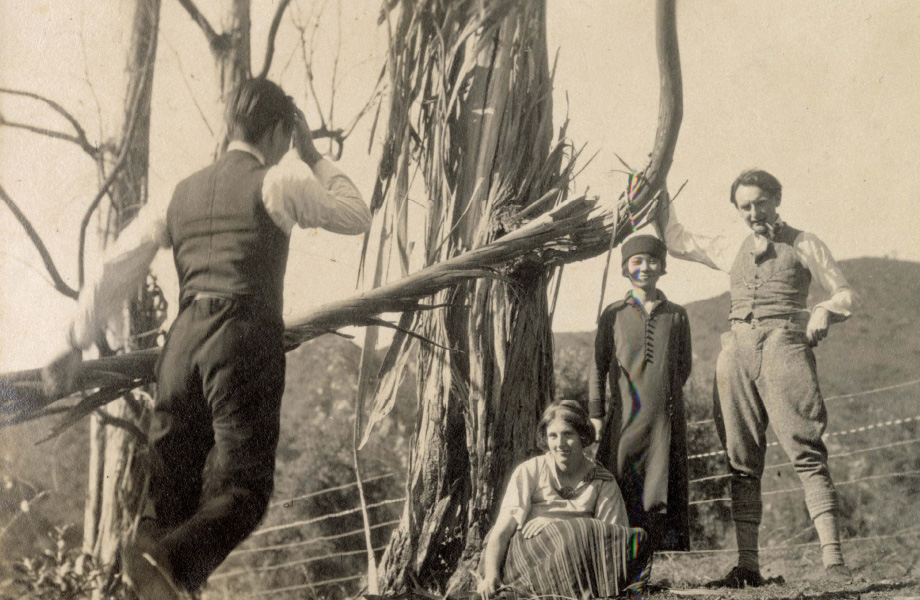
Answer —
(475, 81)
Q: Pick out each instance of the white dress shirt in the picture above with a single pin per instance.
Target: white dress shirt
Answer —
(719, 252)
(320, 196)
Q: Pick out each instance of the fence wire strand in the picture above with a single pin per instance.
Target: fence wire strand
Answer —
(838, 455)
(887, 388)
(799, 489)
(861, 429)
(782, 547)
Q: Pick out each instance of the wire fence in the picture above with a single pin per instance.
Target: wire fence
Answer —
(861, 429)
(862, 394)
(226, 573)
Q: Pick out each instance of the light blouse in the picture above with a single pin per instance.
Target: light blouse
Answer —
(534, 491)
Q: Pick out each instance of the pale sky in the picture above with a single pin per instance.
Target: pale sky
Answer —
(824, 94)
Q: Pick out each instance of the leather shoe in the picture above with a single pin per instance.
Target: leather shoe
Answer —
(148, 573)
(838, 573)
(737, 578)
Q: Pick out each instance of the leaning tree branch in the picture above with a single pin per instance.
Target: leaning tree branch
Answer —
(79, 139)
(574, 230)
(272, 33)
(579, 227)
(201, 20)
(59, 283)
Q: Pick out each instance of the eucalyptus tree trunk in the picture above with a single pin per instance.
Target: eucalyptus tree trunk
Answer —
(487, 156)
(116, 478)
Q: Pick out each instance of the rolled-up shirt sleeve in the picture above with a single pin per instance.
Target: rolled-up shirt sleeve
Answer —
(715, 251)
(816, 256)
(123, 267)
(321, 196)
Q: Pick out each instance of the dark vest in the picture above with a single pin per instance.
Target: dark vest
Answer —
(224, 242)
(774, 284)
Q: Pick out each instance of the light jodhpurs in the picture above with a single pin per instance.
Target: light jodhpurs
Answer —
(768, 375)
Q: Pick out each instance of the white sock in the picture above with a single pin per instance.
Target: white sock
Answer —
(829, 535)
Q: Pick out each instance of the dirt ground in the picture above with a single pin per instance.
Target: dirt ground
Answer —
(878, 574)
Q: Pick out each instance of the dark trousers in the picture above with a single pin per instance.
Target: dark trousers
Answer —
(215, 430)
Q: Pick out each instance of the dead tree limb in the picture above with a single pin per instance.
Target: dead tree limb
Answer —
(202, 22)
(59, 283)
(79, 138)
(272, 33)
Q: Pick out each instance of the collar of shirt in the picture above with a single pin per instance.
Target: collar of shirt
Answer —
(246, 147)
(774, 229)
(762, 243)
(630, 299)
(595, 471)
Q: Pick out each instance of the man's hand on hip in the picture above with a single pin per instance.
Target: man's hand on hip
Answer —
(818, 325)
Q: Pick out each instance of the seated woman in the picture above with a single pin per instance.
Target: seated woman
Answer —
(562, 527)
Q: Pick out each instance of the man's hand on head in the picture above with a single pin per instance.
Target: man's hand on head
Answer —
(303, 139)
(818, 325)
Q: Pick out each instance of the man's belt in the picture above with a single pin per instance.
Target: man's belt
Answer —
(793, 321)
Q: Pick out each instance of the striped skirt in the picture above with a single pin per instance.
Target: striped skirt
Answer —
(578, 558)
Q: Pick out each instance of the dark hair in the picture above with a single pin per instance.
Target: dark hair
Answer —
(572, 413)
(254, 107)
(761, 179)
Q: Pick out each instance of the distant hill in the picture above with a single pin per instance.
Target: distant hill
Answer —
(878, 346)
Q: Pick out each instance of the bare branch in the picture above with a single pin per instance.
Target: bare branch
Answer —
(307, 54)
(80, 138)
(89, 82)
(42, 131)
(29, 266)
(335, 62)
(272, 33)
(59, 283)
(119, 165)
(201, 20)
(188, 86)
(139, 94)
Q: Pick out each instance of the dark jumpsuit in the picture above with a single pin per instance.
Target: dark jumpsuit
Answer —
(647, 360)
